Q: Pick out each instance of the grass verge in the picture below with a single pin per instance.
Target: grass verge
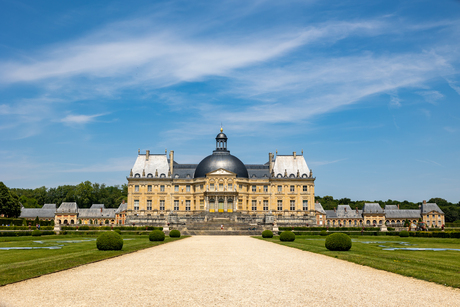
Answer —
(17, 265)
(442, 267)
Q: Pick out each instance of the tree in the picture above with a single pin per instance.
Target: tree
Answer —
(9, 202)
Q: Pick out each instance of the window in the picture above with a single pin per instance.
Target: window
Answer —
(305, 188)
(201, 187)
(176, 188)
(187, 188)
(265, 205)
(187, 205)
(162, 188)
(136, 188)
(162, 204)
(240, 204)
(201, 204)
(149, 204)
(221, 187)
(211, 186)
(149, 188)
(254, 188)
(136, 204)
(176, 205)
(254, 205)
(280, 205)
(280, 188)
(292, 205)
(305, 205)
(230, 187)
(240, 187)
(265, 188)
(292, 188)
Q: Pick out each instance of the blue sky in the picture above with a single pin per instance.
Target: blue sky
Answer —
(369, 90)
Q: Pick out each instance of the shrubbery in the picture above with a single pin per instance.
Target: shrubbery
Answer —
(338, 242)
(36, 233)
(267, 234)
(109, 240)
(157, 235)
(323, 233)
(287, 236)
(84, 227)
(404, 233)
(174, 233)
(118, 231)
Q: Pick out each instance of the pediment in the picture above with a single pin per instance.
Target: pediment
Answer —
(221, 172)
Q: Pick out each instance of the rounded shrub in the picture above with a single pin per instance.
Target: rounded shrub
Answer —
(118, 231)
(84, 227)
(267, 234)
(174, 233)
(109, 241)
(287, 236)
(36, 233)
(404, 233)
(157, 235)
(323, 233)
(338, 242)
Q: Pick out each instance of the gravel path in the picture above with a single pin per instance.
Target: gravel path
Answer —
(225, 271)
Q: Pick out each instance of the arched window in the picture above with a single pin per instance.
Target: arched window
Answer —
(149, 175)
(368, 222)
(137, 175)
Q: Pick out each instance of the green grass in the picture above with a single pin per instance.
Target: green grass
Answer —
(442, 267)
(17, 265)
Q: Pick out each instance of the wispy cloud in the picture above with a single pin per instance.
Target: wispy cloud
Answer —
(429, 162)
(80, 119)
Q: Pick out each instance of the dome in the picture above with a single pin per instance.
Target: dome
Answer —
(221, 160)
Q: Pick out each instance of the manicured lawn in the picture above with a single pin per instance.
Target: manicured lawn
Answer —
(16, 265)
(442, 267)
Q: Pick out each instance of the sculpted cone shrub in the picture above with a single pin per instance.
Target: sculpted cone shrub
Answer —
(287, 236)
(338, 242)
(267, 234)
(109, 240)
(157, 235)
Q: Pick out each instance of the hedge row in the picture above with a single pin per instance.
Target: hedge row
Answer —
(330, 228)
(23, 233)
(425, 234)
(87, 227)
(25, 227)
(9, 221)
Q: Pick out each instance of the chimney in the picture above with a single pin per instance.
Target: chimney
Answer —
(101, 210)
(317, 202)
(398, 206)
(147, 154)
(294, 154)
(424, 202)
(345, 209)
(334, 209)
(171, 162)
(123, 201)
(357, 210)
(270, 161)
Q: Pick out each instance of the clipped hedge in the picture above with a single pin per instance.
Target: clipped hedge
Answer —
(287, 236)
(338, 242)
(109, 240)
(174, 233)
(323, 233)
(404, 234)
(157, 235)
(330, 228)
(36, 233)
(267, 234)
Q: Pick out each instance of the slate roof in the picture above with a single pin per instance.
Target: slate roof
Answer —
(391, 207)
(186, 171)
(47, 211)
(122, 207)
(258, 170)
(429, 207)
(68, 207)
(97, 206)
(108, 213)
(402, 214)
(154, 163)
(291, 165)
(372, 208)
(345, 212)
(319, 208)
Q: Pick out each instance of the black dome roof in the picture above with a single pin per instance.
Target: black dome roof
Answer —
(221, 160)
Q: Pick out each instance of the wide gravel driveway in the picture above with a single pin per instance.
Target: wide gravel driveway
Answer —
(225, 271)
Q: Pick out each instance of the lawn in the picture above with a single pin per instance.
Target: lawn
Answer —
(442, 267)
(17, 265)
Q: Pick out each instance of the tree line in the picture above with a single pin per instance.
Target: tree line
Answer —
(84, 194)
(451, 210)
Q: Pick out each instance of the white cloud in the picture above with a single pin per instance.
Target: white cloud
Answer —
(431, 96)
(80, 119)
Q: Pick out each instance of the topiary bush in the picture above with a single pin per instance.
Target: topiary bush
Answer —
(36, 233)
(323, 233)
(108, 241)
(267, 234)
(157, 235)
(118, 231)
(404, 233)
(287, 236)
(338, 242)
(174, 233)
